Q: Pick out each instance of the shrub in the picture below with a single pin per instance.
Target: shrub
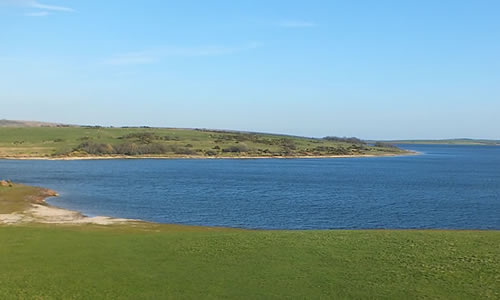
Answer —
(96, 148)
(124, 148)
(331, 150)
(143, 137)
(289, 144)
(236, 148)
(182, 150)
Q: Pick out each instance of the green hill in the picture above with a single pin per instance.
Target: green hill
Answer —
(83, 141)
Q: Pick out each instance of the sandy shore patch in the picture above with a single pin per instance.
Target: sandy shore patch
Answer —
(53, 215)
(26, 204)
(11, 218)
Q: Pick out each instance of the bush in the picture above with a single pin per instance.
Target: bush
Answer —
(331, 150)
(143, 137)
(182, 150)
(153, 148)
(289, 144)
(96, 148)
(236, 148)
(123, 149)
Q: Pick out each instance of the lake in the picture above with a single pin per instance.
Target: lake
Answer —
(447, 186)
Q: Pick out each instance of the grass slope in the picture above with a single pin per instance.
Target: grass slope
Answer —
(67, 141)
(16, 198)
(91, 263)
(161, 261)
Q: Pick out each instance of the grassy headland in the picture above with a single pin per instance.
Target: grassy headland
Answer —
(162, 261)
(15, 198)
(84, 141)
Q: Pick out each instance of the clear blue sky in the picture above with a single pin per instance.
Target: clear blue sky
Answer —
(371, 69)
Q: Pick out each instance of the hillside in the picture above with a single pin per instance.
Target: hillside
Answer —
(85, 141)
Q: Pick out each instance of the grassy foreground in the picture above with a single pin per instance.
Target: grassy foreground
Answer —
(158, 261)
(82, 141)
(93, 263)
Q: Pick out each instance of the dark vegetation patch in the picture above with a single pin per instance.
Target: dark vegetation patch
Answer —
(132, 149)
(236, 148)
(147, 137)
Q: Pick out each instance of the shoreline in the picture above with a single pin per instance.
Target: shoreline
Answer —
(408, 152)
(42, 212)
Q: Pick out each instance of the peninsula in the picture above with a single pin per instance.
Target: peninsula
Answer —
(57, 141)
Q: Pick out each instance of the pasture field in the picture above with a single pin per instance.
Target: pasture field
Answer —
(88, 262)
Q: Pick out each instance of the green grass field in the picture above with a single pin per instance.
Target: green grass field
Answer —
(92, 263)
(161, 261)
(170, 142)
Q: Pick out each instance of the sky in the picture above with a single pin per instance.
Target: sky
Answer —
(370, 69)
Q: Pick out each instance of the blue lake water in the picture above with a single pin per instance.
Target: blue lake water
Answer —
(445, 187)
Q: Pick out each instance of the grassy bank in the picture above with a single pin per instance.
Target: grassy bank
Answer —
(158, 261)
(80, 141)
(92, 263)
(15, 198)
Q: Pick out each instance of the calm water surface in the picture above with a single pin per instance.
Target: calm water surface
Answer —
(445, 187)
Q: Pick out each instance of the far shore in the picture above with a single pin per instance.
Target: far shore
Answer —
(41, 212)
(408, 152)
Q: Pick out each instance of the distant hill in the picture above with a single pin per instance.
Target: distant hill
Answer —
(38, 139)
(12, 123)
(461, 141)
